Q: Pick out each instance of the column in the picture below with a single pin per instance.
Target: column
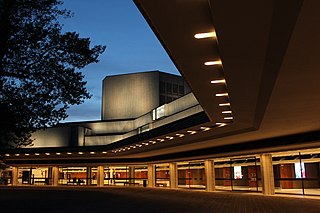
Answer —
(173, 175)
(89, 175)
(100, 176)
(15, 174)
(151, 175)
(210, 175)
(267, 177)
(55, 176)
(131, 174)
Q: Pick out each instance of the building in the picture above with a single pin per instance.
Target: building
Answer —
(252, 121)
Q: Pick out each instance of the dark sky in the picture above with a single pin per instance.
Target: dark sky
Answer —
(131, 46)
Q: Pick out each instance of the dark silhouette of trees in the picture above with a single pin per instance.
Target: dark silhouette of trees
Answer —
(39, 65)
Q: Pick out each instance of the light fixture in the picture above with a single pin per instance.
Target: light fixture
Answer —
(205, 35)
(26, 154)
(58, 153)
(211, 63)
(104, 152)
(160, 139)
(47, 153)
(221, 94)
(80, 153)
(180, 135)
(228, 118)
(222, 81)
(8, 155)
(92, 153)
(69, 153)
(17, 154)
(169, 137)
(37, 154)
(192, 132)
(227, 112)
(153, 142)
(205, 128)
(221, 124)
(224, 104)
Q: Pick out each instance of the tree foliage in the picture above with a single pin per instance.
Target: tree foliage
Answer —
(39, 68)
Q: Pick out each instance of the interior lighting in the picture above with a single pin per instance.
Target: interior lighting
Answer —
(227, 112)
(58, 153)
(228, 118)
(224, 104)
(37, 154)
(153, 142)
(160, 139)
(211, 63)
(26, 154)
(17, 154)
(222, 81)
(7, 155)
(69, 153)
(80, 153)
(221, 94)
(47, 153)
(205, 35)
(104, 152)
(92, 153)
(169, 137)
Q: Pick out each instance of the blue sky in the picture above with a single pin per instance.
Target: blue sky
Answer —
(131, 46)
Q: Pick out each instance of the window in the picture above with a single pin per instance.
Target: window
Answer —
(169, 88)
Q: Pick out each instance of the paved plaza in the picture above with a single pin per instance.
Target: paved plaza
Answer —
(138, 199)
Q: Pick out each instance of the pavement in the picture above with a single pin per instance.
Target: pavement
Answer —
(138, 199)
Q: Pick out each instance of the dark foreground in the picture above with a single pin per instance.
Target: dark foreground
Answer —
(133, 199)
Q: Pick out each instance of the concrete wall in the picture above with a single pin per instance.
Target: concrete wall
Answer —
(52, 137)
(129, 96)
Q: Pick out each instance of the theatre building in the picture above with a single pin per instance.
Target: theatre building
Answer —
(243, 116)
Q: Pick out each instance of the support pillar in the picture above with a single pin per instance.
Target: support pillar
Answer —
(15, 174)
(55, 176)
(100, 176)
(89, 176)
(151, 175)
(210, 175)
(131, 174)
(173, 175)
(267, 176)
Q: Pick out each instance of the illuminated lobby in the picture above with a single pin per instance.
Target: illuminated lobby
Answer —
(243, 116)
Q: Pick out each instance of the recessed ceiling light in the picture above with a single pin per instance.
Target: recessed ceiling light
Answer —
(27, 154)
(211, 63)
(227, 112)
(224, 104)
(17, 154)
(205, 35)
(92, 153)
(7, 155)
(58, 153)
(69, 153)
(192, 132)
(222, 81)
(104, 152)
(221, 94)
(80, 153)
(180, 135)
(37, 154)
(228, 118)
(221, 124)
(47, 153)
(205, 128)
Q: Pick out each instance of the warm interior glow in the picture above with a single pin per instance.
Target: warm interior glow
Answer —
(211, 63)
(17, 154)
(47, 153)
(180, 135)
(58, 153)
(224, 104)
(7, 155)
(222, 81)
(205, 128)
(26, 154)
(221, 124)
(227, 112)
(92, 153)
(205, 35)
(69, 153)
(221, 94)
(80, 153)
(37, 154)
(192, 132)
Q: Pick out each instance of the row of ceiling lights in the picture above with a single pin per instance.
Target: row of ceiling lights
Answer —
(227, 105)
(167, 138)
(50, 154)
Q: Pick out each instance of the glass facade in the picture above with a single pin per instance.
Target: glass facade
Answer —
(191, 175)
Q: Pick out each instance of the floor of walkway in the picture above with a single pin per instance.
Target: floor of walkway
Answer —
(138, 199)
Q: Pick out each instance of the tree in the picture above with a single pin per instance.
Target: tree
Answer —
(39, 68)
